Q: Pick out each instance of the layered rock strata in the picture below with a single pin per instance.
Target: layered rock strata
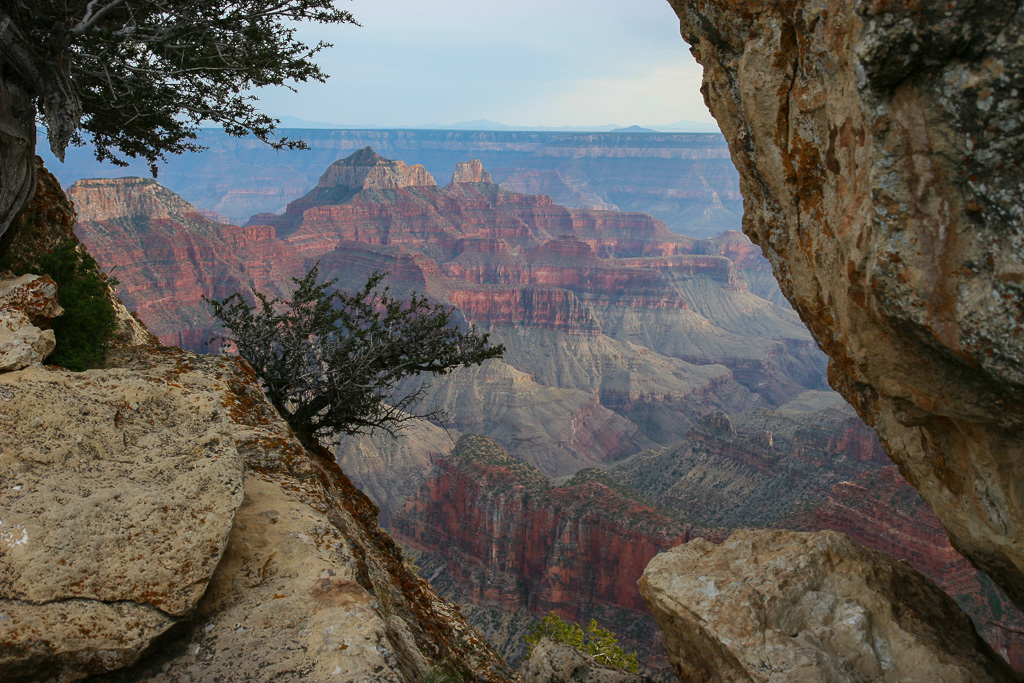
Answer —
(508, 540)
(879, 148)
(785, 606)
(620, 333)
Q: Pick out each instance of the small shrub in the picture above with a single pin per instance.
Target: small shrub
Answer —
(599, 643)
(84, 331)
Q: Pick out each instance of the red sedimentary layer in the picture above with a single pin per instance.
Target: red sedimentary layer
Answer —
(168, 255)
(548, 308)
(514, 542)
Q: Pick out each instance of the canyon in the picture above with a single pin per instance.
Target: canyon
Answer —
(610, 319)
(670, 361)
(877, 146)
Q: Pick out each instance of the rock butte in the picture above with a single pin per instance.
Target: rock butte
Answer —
(879, 147)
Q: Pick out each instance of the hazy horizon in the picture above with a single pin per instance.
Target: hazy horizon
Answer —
(536, 64)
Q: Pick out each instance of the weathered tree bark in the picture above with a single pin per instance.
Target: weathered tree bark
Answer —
(29, 75)
(880, 147)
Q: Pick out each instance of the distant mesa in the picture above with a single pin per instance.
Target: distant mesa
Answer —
(634, 129)
(367, 170)
(470, 172)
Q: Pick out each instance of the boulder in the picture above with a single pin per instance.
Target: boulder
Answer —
(120, 492)
(21, 343)
(552, 662)
(783, 606)
(27, 303)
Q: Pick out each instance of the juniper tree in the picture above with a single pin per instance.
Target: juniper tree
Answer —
(332, 362)
(138, 77)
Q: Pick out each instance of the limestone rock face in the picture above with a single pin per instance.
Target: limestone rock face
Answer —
(470, 172)
(164, 495)
(21, 343)
(879, 147)
(774, 606)
(35, 295)
(552, 662)
(27, 303)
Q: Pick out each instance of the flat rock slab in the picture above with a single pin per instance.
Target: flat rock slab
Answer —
(116, 487)
(789, 607)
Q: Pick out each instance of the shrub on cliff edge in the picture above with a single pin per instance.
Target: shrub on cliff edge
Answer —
(599, 643)
(88, 324)
(331, 362)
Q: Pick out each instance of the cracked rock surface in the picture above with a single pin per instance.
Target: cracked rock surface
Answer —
(790, 607)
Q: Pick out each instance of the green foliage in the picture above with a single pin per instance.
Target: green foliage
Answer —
(331, 362)
(599, 643)
(88, 324)
(147, 73)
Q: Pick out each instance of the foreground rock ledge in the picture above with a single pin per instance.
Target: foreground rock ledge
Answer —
(782, 606)
(166, 496)
(879, 146)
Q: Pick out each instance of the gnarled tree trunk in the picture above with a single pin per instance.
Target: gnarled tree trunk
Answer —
(30, 75)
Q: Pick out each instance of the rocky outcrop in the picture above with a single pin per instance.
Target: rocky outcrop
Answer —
(552, 662)
(366, 170)
(164, 498)
(470, 172)
(786, 606)
(27, 304)
(878, 147)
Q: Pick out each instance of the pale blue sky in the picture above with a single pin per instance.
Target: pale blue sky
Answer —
(524, 63)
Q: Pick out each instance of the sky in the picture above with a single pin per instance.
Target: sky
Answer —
(523, 63)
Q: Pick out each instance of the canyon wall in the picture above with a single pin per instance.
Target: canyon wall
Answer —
(502, 538)
(879, 147)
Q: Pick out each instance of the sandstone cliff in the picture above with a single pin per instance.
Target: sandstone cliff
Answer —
(879, 148)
